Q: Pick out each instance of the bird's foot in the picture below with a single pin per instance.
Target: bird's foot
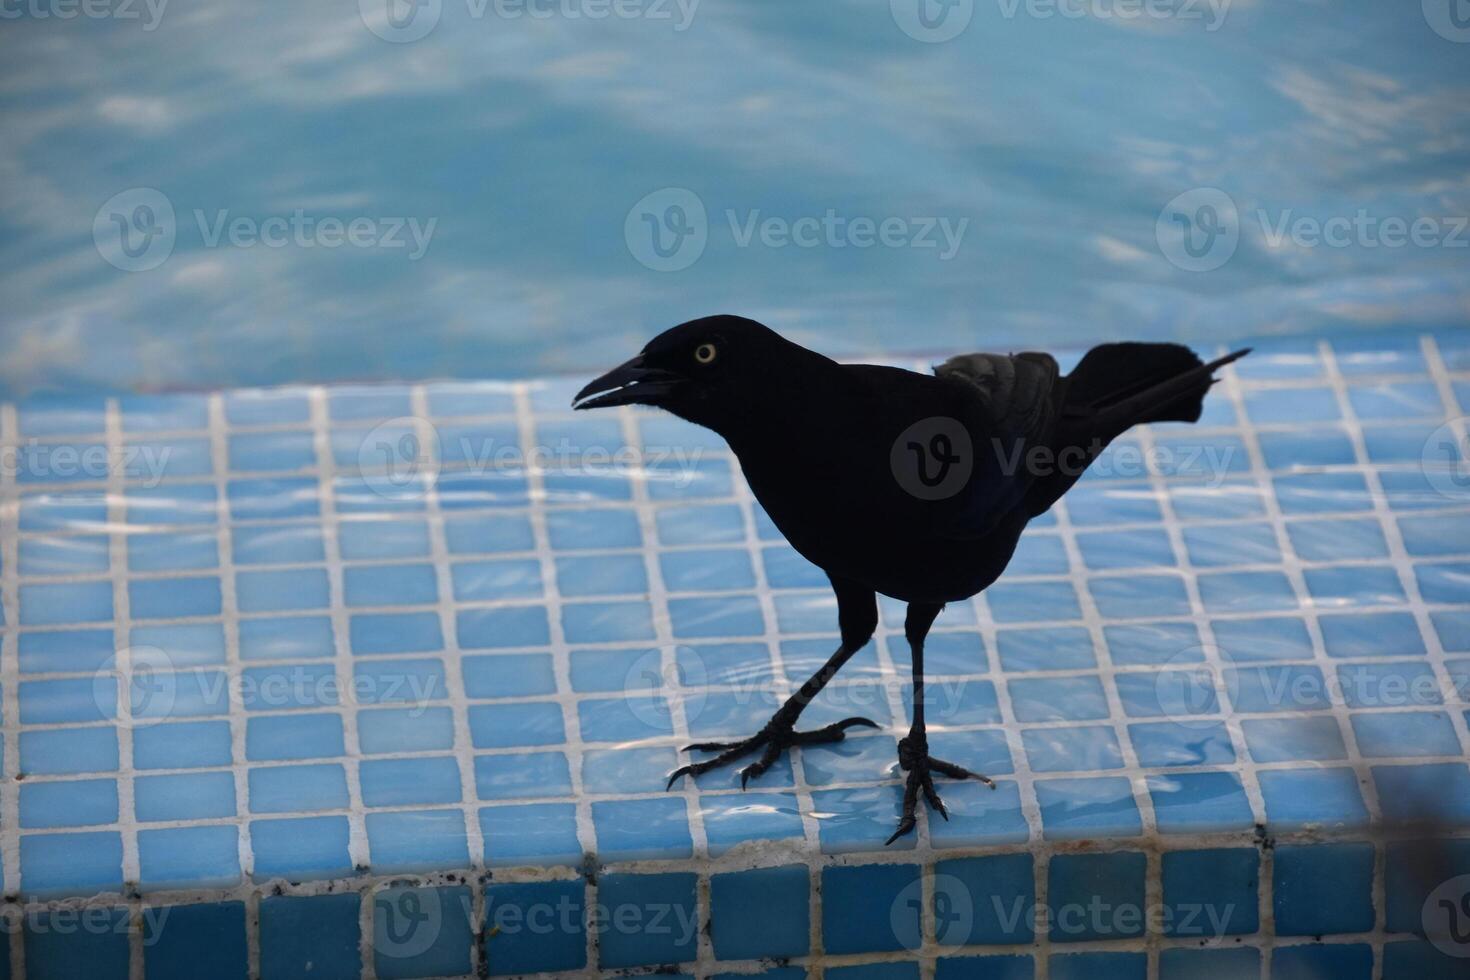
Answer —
(913, 756)
(775, 738)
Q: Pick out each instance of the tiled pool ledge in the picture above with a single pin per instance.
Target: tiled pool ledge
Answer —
(386, 681)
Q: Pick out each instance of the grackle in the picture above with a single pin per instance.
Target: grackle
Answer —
(894, 482)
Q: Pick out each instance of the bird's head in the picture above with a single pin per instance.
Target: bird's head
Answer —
(707, 371)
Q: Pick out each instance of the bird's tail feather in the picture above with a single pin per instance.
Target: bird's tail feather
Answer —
(1115, 387)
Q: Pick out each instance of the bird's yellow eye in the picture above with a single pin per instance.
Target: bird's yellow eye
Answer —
(704, 353)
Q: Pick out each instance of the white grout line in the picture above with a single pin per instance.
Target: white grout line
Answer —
(342, 662)
(10, 689)
(238, 719)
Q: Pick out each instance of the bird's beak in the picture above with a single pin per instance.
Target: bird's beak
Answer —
(628, 384)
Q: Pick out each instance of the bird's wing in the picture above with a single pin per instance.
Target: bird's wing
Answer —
(1018, 400)
(1015, 389)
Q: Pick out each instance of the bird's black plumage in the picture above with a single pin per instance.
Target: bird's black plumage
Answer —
(897, 483)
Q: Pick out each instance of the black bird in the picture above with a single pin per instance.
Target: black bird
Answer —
(894, 482)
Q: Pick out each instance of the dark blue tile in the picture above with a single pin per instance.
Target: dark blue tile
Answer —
(1210, 894)
(870, 908)
(181, 942)
(558, 942)
(56, 948)
(985, 900)
(660, 917)
(1241, 963)
(1079, 884)
(1321, 889)
(761, 913)
(422, 932)
(318, 935)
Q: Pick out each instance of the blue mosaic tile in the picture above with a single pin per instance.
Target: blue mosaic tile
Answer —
(1210, 894)
(669, 896)
(1320, 889)
(319, 934)
(1079, 884)
(559, 944)
(762, 913)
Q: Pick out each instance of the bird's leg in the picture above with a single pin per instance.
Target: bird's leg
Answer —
(913, 749)
(857, 613)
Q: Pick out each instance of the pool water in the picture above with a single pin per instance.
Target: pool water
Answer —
(388, 680)
(208, 195)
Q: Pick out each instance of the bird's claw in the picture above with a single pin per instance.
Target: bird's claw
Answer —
(914, 759)
(775, 737)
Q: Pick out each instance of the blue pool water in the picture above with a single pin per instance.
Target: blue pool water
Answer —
(1042, 171)
(335, 679)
